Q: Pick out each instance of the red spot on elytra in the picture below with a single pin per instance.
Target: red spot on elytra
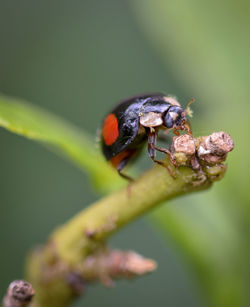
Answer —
(116, 160)
(110, 131)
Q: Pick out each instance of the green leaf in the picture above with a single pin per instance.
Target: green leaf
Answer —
(34, 123)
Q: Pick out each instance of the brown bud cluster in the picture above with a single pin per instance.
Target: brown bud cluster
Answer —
(214, 148)
(203, 154)
(183, 149)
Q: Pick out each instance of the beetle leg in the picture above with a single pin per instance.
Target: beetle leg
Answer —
(176, 132)
(152, 151)
(168, 130)
(130, 179)
(188, 129)
(167, 152)
(120, 167)
(121, 160)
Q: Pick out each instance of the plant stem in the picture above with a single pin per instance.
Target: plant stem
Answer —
(74, 240)
(59, 270)
(87, 232)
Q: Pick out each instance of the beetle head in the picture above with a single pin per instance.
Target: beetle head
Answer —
(175, 117)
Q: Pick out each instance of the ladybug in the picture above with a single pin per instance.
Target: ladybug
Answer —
(137, 120)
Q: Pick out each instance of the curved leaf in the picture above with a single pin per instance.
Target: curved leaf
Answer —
(34, 123)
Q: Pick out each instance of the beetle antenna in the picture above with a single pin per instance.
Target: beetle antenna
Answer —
(190, 102)
(187, 110)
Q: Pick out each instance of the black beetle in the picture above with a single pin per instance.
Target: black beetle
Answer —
(138, 119)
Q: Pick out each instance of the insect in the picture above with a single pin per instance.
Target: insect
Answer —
(137, 120)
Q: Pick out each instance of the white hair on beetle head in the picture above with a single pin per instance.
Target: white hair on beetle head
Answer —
(172, 100)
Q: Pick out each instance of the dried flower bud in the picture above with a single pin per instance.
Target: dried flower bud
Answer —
(182, 149)
(19, 294)
(185, 144)
(214, 148)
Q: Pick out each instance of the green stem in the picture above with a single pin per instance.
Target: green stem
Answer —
(85, 233)
(74, 240)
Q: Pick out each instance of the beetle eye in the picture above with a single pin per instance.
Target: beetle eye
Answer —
(172, 116)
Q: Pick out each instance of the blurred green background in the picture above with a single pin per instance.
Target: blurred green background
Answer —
(77, 59)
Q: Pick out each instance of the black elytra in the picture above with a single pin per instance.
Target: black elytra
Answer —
(136, 120)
